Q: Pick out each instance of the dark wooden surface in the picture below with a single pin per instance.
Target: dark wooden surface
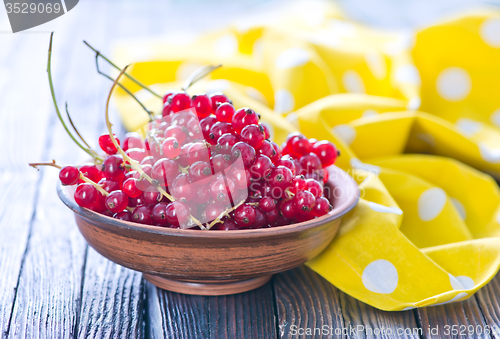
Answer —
(52, 285)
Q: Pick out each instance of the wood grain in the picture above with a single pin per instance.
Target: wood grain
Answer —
(461, 314)
(305, 300)
(488, 299)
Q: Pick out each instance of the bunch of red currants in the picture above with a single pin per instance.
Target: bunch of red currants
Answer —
(205, 164)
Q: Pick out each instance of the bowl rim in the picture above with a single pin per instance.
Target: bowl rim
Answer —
(334, 172)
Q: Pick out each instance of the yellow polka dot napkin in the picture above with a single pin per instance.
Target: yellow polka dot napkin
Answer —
(415, 115)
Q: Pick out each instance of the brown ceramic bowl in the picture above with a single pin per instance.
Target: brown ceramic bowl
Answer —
(214, 262)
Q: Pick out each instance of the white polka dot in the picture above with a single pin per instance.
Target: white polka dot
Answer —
(345, 132)
(219, 85)
(403, 42)
(495, 118)
(408, 308)
(460, 208)
(369, 113)
(293, 119)
(380, 276)
(258, 50)
(342, 28)
(376, 63)
(468, 127)
(455, 283)
(454, 84)
(358, 164)
(226, 45)
(353, 82)
(428, 138)
(256, 94)
(490, 32)
(430, 203)
(292, 57)
(185, 70)
(490, 155)
(407, 74)
(414, 104)
(466, 282)
(459, 296)
(283, 101)
(384, 209)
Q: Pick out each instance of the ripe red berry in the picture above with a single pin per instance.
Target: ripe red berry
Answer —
(167, 109)
(245, 151)
(298, 183)
(176, 132)
(137, 154)
(99, 205)
(177, 213)
(202, 105)
(321, 207)
(132, 140)
(314, 187)
(267, 204)
(113, 167)
(244, 117)
(206, 124)
(159, 214)
(90, 171)
(253, 135)
(228, 225)
(281, 177)
(107, 145)
(170, 147)
(116, 201)
(272, 217)
(179, 102)
(288, 162)
(225, 112)
(260, 219)
(142, 182)
(287, 209)
(220, 162)
(304, 201)
(300, 145)
(217, 130)
(226, 142)
(267, 134)
(310, 162)
(124, 215)
(198, 151)
(85, 195)
(218, 99)
(245, 215)
(130, 188)
(152, 196)
(261, 168)
(109, 185)
(267, 149)
(168, 94)
(142, 215)
(241, 177)
(220, 188)
(326, 152)
(213, 210)
(200, 173)
(69, 175)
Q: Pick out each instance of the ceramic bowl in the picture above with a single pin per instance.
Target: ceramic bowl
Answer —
(214, 262)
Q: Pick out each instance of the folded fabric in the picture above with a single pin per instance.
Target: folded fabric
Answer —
(416, 117)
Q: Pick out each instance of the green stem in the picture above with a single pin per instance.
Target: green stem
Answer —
(118, 68)
(199, 74)
(49, 72)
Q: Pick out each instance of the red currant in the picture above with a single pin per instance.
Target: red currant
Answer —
(170, 147)
(225, 112)
(321, 207)
(85, 195)
(245, 151)
(130, 188)
(176, 132)
(260, 219)
(267, 134)
(202, 105)
(304, 201)
(116, 201)
(213, 210)
(314, 187)
(221, 187)
(179, 102)
(217, 130)
(90, 171)
(226, 142)
(228, 225)
(244, 117)
(220, 162)
(261, 168)
(298, 183)
(288, 162)
(253, 135)
(245, 215)
(69, 175)
(109, 185)
(113, 167)
(152, 196)
(310, 162)
(132, 140)
(241, 177)
(124, 215)
(206, 124)
(142, 215)
(326, 152)
(281, 177)
(181, 188)
(218, 99)
(287, 209)
(159, 214)
(267, 204)
(177, 213)
(107, 145)
(200, 173)
(168, 94)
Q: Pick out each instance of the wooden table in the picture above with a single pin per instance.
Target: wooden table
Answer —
(52, 285)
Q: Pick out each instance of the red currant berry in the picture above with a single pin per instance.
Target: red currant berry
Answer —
(149, 160)
(142, 215)
(245, 215)
(272, 217)
(253, 135)
(314, 187)
(213, 210)
(85, 195)
(267, 204)
(241, 177)
(310, 162)
(116, 201)
(206, 124)
(109, 185)
(218, 99)
(288, 162)
(304, 201)
(300, 145)
(299, 183)
(217, 130)
(260, 219)
(281, 177)
(244, 117)
(142, 182)
(134, 202)
(170, 148)
(69, 175)
(321, 207)
(198, 151)
(179, 102)
(167, 109)
(287, 209)
(225, 112)
(99, 205)
(176, 132)
(159, 214)
(202, 105)
(267, 149)
(312, 141)
(168, 94)
(113, 167)
(90, 171)
(267, 134)
(220, 188)
(228, 225)
(245, 151)
(226, 142)
(137, 154)
(124, 215)
(107, 145)
(220, 162)
(177, 213)
(181, 188)
(132, 140)
(277, 150)
(326, 152)
(202, 196)
(152, 196)
(130, 188)
(200, 173)
(261, 168)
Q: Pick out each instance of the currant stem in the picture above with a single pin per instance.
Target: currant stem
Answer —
(199, 74)
(79, 135)
(223, 214)
(118, 68)
(150, 114)
(49, 72)
(134, 163)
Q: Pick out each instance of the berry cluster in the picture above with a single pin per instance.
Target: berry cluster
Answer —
(206, 164)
